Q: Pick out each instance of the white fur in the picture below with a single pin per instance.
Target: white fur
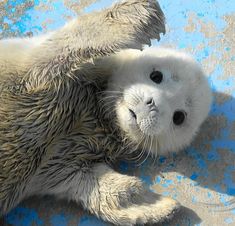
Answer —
(184, 87)
(16, 54)
(51, 138)
(48, 141)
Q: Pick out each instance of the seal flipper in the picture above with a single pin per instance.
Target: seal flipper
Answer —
(129, 24)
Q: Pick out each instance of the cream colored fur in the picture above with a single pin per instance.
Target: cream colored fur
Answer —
(184, 87)
(59, 134)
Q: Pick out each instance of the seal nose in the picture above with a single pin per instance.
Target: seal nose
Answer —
(149, 102)
(151, 106)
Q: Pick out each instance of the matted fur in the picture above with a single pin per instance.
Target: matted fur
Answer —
(56, 134)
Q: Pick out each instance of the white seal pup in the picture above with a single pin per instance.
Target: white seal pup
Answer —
(59, 129)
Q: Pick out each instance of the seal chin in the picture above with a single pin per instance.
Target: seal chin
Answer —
(147, 126)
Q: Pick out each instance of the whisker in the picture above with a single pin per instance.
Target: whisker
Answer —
(155, 154)
(149, 148)
(143, 151)
(138, 157)
(108, 97)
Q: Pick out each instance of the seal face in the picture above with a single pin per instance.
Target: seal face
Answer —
(160, 97)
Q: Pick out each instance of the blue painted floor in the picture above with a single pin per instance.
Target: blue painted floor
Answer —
(202, 177)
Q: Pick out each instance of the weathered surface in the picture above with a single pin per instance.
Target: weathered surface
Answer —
(202, 177)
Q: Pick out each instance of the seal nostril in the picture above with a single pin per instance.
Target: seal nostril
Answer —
(150, 101)
(132, 114)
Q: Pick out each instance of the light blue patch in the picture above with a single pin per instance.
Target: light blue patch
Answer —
(98, 5)
(224, 199)
(166, 183)
(14, 3)
(228, 220)
(8, 21)
(194, 199)
(158, 180)
(39, 17)
(166, 193)
(205, 10)
(179, 178)
(21, 216)
(209, 195)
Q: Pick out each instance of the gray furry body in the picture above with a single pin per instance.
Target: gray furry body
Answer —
(55, 134)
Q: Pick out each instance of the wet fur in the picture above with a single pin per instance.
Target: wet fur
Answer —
(54, 137)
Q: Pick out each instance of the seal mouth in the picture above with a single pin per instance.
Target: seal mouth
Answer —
(145, 126)
(132, 113)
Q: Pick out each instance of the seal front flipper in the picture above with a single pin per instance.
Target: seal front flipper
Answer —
(129, 24)
(39, 101)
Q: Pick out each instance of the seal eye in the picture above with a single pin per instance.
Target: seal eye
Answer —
(156, 76)
(179, 117)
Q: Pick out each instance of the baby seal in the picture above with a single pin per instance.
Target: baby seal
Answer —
(74, 101)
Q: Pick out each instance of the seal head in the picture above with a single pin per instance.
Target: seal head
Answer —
(160, 96)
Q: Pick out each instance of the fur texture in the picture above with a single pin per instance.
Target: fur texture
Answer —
(184, 87)
(57, 135)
